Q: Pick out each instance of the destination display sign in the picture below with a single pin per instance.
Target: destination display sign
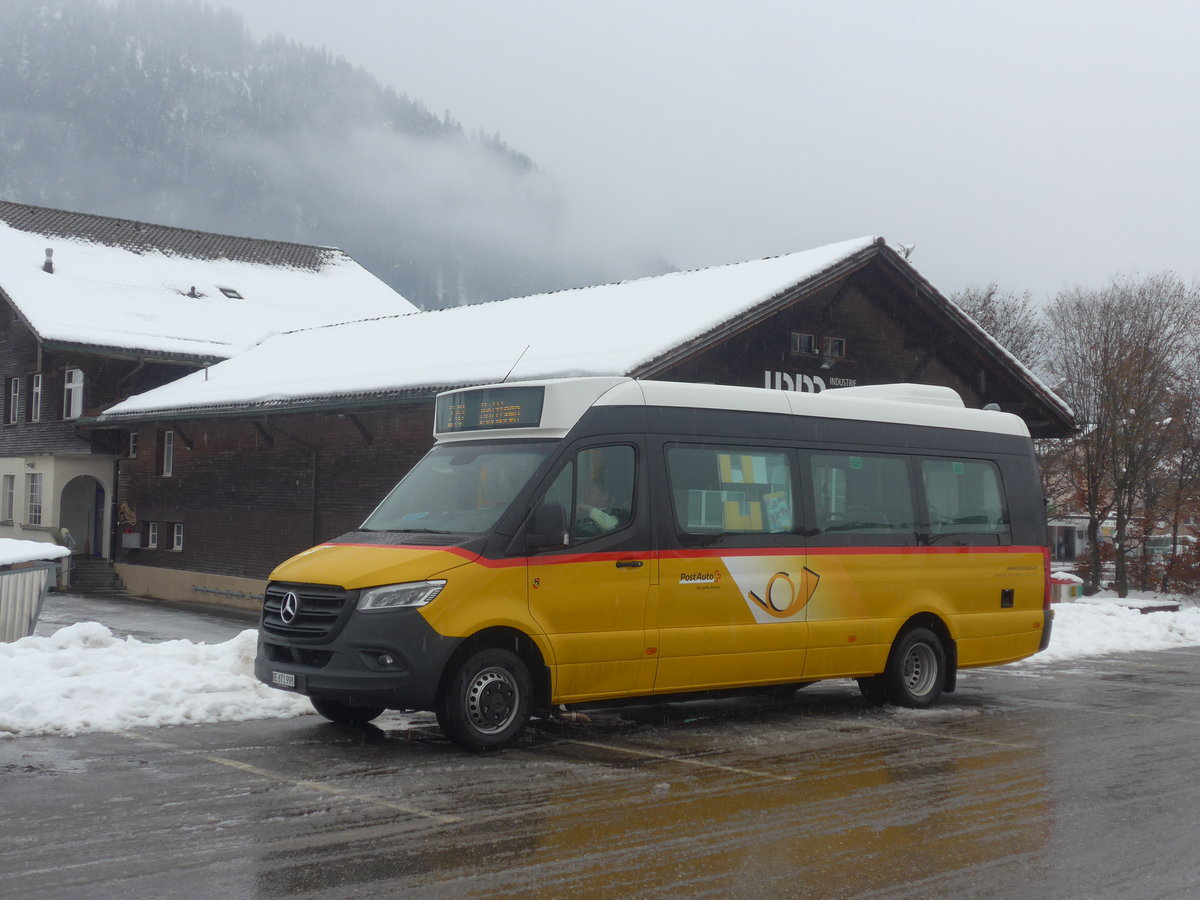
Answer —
(488, 408)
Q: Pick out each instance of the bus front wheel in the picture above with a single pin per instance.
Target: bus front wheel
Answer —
(487, 701)
(916, 669)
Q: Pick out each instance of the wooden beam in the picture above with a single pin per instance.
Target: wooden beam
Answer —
(367, 437)
(187, 441)
(265, 435)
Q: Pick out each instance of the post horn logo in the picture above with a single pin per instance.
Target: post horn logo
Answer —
(782, 598)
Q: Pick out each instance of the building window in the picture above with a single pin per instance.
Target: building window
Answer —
(8, 498)
(133, 444)
(177, 538)
(151, 535)
(835, 348)
(12, 400)
(803, 343)
(166, 453)
(35, 398)
(33, 495)
(73, 394)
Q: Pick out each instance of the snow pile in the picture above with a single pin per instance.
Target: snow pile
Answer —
(82, 678)
(13, 551)
(1100, 627)
(1065, 578)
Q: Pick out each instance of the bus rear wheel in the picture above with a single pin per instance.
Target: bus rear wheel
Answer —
(487, 700)
(916, 669)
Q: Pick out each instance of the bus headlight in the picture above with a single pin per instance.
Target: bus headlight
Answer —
(396, 596)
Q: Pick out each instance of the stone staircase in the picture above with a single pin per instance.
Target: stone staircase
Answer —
(94, 576)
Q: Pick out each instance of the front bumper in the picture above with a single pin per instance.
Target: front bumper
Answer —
(347, 666)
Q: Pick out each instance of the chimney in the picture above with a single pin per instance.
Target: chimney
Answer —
(48, 265)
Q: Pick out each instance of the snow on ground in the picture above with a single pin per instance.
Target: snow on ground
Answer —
(83, 678)
(1102, 625)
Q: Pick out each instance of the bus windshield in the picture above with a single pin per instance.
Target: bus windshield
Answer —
(459, 488)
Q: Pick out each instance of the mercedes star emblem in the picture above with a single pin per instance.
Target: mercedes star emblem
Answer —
(290, 608)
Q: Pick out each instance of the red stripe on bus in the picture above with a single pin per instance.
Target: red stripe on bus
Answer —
(567, 558)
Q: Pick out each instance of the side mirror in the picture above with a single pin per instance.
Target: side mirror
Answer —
(547, 527)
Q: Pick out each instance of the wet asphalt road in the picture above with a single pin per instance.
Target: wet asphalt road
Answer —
(1066, 781)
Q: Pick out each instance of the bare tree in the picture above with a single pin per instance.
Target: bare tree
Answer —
(1012, 319)
(1173, 492)
(1117, 358)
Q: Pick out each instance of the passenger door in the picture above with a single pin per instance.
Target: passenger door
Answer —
(734, 586)
(589, 587)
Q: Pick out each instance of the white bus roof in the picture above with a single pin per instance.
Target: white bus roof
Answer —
(567, 399)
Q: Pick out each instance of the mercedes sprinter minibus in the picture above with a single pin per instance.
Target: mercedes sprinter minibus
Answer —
(584, 540)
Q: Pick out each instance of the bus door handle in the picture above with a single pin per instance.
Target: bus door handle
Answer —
(629, 563)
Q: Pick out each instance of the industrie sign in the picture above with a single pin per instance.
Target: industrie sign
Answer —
(808, 384)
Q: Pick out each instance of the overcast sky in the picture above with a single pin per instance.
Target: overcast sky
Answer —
(1037, 144)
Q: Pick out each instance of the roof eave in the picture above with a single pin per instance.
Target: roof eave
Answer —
(115, 352)
(1059, 410)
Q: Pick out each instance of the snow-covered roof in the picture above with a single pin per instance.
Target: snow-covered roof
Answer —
(633, 328)
(154, 290)
(611, 329)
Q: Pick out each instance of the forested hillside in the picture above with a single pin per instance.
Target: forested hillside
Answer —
(167, 111)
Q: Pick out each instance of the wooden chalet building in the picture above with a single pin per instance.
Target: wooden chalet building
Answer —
(296, 440)
(95, 309)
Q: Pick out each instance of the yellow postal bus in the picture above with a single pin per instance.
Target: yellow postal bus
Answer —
(594, 539)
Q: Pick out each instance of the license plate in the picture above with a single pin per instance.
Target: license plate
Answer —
(283, 679)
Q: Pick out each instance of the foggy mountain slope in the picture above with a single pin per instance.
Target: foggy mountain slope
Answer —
(167, 111)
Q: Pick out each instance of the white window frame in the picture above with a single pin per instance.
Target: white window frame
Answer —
(177, 537)
(33, 498)
(14, 401)
(133, 444)
(168, 453)
(833, 347)
(805, 344)
(8, 497)
(73, 394)
(152, 536)
(35, 398)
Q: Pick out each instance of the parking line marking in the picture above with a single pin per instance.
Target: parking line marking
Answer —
(318, 786)
(688, 760)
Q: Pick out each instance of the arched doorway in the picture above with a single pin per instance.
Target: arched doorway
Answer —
(82, 511)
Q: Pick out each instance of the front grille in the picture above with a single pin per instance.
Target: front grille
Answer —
(319, 610)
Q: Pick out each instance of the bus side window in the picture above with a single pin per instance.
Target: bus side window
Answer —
(730, 490)
(965, 497)
(595, 491)
(862, 496)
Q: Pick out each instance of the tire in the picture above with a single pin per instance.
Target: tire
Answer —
(345, 713)
(916, 669)
(486, 703)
